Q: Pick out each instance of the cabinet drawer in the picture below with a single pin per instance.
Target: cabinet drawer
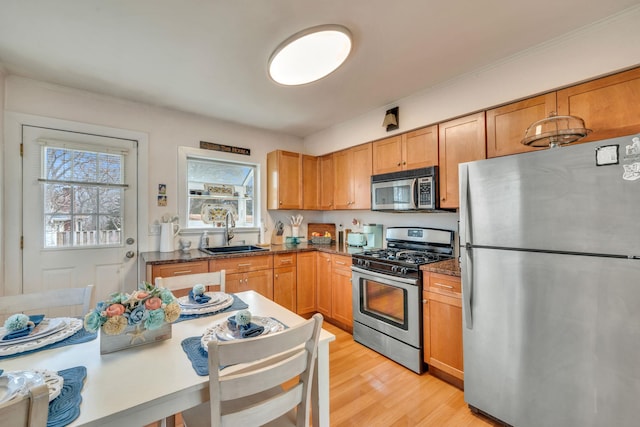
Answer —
(241, 264)
(442, 283)
(284, 260)
(179, 269)
(341, 262)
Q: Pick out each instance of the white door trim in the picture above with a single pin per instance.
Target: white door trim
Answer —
(10, 253)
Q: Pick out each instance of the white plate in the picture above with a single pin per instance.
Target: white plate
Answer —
(208, 308)
(46, 327)
(225, 332)
(216, 299)
(19, 382)
(8, 389)
(73, 325)
(53, 381)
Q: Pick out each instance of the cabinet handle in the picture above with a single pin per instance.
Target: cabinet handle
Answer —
(280, 201)
(443, 286)
(276, 276)
(404, 163)
(176, 273)
(244, 265)
(398, 164)
(285, 261)
(424, 301)
(340, 262)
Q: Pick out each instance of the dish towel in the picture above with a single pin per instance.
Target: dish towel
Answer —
(246, 331)
(65, 408)
(238, 304)
(198, 299)
(34, 321)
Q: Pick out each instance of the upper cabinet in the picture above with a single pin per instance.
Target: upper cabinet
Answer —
(609, 106)
(460, 140)
(506, 125)
(325, 182)
(411, 150)
(352, 178)
(310, 182)
(284, 180)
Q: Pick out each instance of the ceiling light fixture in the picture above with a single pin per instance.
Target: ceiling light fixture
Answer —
(310, 55)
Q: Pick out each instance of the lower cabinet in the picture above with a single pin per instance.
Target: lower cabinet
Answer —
(306, 282)
(247, 273)
(442, 317)
(334, 295)
(176, 269)
(285, 280)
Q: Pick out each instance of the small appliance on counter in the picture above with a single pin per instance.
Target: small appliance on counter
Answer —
(356, 239)
(373, 233)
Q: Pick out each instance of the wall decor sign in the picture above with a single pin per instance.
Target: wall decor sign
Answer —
(225, 148)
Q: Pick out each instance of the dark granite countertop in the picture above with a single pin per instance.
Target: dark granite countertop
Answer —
(450, 267)
(156, 258)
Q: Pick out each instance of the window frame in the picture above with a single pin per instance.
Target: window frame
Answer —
(183, 191)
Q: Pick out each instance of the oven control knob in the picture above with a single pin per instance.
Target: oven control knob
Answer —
(404, 270)
(367, 263)
(394, 268)
(360, 262)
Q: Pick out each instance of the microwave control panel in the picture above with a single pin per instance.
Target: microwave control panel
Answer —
(425, 193)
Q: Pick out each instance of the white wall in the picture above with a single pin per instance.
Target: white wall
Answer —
(166, 129)
(601, 48)
(2, 217)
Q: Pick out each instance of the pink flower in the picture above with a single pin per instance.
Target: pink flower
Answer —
(114, 310)
(142, 294)
(153, 303)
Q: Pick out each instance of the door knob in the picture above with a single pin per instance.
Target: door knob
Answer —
(131, 241)
(130, 254)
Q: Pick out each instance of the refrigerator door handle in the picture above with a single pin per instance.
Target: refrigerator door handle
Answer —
(465, 207)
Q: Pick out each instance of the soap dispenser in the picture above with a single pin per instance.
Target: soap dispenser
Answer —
(204, 240)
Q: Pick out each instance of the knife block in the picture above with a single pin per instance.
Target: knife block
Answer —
(275, 239)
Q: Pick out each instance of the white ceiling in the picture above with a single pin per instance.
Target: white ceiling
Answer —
(210, 56)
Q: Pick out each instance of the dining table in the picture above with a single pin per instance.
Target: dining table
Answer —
(143, 384)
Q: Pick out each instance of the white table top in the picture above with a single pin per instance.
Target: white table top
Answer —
(156, 380)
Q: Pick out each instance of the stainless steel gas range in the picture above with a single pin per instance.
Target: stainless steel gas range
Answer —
(387, 292)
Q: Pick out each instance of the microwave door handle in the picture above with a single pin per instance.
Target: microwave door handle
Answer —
(414, 190)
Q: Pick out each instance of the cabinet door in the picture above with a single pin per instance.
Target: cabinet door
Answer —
(426, 327)
(284, 287)
(310, 182)
(306, 282)
(260, 281)
(342, 178)
(460, 140)
(387, 155)
(178, 269)
(284, 178)
(323, 284)
(506, 125)
(445, 334)
(420, 148)
(326, 182)
(341, 301)
(608, 106)
(235, 282)
(361, 170)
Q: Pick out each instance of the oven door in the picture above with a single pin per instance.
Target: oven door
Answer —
(387, 304)
(396, 195)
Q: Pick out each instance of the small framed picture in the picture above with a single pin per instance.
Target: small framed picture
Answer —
(162, 188)
(162, 200)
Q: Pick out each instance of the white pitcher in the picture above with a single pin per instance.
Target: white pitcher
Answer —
(168, 232)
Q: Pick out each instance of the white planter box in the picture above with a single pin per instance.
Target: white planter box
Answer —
(133, 336)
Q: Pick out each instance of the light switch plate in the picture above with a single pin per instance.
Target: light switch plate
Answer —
(154, 229)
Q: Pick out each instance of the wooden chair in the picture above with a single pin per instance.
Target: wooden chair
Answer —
(31, 410)
(255, 395)
(180, 285)
(44, 301)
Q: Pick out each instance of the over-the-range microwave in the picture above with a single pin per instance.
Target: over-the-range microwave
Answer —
(412, 190)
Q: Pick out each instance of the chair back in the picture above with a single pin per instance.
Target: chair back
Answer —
(289, 357)
(64, 302)
(180, 285)
(30, 410)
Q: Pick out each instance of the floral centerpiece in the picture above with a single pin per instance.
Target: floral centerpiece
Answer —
(149, 307)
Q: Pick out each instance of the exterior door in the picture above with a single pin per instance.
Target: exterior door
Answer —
(79, 211)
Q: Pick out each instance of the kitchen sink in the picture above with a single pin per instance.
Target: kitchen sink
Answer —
(217, 250)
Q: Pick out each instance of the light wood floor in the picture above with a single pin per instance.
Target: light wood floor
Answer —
(368, 389)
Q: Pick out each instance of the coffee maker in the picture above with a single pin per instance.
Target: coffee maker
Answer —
(374, 235)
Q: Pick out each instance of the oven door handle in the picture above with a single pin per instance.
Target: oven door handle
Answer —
(384, 277)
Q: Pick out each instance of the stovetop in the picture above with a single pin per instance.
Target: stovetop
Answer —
(404, 256)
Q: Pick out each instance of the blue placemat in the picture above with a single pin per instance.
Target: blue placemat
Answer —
(79, 337)
(238, 304)
(198, 357)
(65, 408)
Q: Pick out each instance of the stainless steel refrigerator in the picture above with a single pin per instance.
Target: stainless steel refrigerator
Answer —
(550, 259)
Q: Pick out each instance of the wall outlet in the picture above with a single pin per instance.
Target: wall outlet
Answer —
(154, 229)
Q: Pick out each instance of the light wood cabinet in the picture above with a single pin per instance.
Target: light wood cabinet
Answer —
(284, 180)
(325, 182)
(323, 284)
(506, 125)
(411, 150)
(460, 140)
(608, 106)
(341, 290)
(310, 182)
(176, 269)
(247, 273)
(306, 267)
(352, 178)
(442, 325)
(285, 280)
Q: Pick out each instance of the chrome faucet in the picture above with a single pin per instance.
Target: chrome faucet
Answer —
(229, 225)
